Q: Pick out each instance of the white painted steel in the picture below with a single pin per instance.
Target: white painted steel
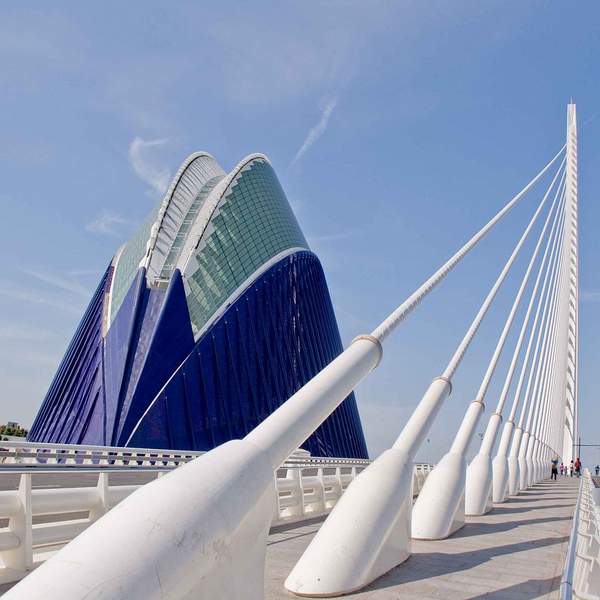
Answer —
(581, 575)
(516, 465)
(214, 546)
(571, 358)
(306, 487)
(379, 496)
(478, 485)
(440, 508)
(19, 453)
(387, 326)
(341, 559)
(543, 376)
(540, 353)
(505, 467)
(288, 426)
(336, 544)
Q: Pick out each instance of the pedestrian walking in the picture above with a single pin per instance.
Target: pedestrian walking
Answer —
(554, 471)
(562, 469)
(571, 469)
(578, 467)
(597, 470)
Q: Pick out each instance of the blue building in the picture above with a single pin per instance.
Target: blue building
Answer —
(206, 321)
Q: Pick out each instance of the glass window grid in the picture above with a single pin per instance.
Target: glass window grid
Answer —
(254, 223)
(129, 261)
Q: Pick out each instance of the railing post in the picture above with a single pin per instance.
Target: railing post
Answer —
(20, 524)
(102, 506)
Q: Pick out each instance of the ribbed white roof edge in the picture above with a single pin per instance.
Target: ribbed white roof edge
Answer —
(210, 205)
(108, 296)
(182, 191)
(238, 292)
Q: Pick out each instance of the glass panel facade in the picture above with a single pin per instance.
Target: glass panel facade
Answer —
(252, 223)
(129, 262)
(186, 223)
(182, 195)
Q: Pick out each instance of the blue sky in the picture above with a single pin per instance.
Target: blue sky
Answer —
(397, 130)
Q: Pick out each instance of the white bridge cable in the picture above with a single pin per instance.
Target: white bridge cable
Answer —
(517, 350)
(550, 380)
(540, 431)
(552, 375)
(547, 332)
(545, 270)
(513, 311)
(533, 401)
(545, 302)
(546, 373)
(398, 315)
(287, 427)
(536, 404)
(468, 338)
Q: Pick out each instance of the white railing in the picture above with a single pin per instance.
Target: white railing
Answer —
(14, 455)
(19, 453)
(581, 577)
(40, 521)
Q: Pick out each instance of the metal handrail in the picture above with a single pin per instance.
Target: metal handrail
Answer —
(566, 583)
(92, 448)
(131, 456)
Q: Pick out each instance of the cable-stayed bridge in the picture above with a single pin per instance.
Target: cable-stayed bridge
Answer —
(392, 527)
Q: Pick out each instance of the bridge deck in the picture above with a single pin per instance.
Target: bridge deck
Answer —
(516, 551)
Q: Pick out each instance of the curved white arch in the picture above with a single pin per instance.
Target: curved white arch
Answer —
(106, 316)
(195, 171)
(212, 202)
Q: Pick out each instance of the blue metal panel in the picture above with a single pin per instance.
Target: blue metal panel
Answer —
(267, 345)
(147, 383)
(164, 341)
(119, 350)
(77, 385)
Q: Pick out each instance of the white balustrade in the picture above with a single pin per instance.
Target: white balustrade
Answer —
(17, 454)
(581, 577)
(227, 498)
(307, 487)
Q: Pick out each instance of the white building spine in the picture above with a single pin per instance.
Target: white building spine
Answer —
(571, 214)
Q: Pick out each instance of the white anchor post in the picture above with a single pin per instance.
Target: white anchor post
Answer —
(439, 509)
(500, 463)
(541, 352)
(478, 485)
(546, 379)
(513, 462)
(378, 502)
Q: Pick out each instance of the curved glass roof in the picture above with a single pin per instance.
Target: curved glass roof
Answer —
(153, 243)
(128, 263)
(219, 229)
(183, 194)
(184, 228)
(252, 223)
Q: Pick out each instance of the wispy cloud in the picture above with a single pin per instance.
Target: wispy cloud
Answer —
(58, 291)
(156, 176)
(11, 332)
(317, 131)
(590, 296)
(107, 223)
(25, 295)
(84, 273)
(334, 237)
(62, 283)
